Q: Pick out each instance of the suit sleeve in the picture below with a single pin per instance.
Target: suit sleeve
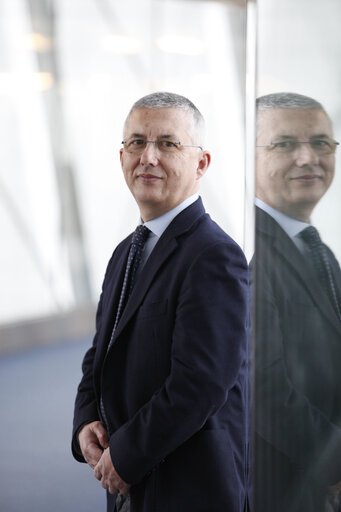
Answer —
(85, 410)
(208, 349)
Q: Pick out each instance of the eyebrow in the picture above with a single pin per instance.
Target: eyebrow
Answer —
(284, 137)
(141, 136)
(320, 136)
(293, 138)
(136, 135)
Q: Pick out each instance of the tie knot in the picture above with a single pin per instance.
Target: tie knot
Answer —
(311, 236)
(140, 235)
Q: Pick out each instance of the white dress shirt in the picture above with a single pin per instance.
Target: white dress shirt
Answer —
(158, 226)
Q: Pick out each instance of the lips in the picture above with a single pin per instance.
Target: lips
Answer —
(148, 177)
(307, 177)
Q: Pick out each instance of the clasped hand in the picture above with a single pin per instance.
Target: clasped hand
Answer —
(94, 444)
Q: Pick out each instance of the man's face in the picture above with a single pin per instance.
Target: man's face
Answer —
(158, 180)
(293, 182)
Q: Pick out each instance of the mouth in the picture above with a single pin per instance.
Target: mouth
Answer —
(307, 178)
(147, 177)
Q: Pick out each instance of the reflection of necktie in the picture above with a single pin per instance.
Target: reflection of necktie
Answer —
(134, 259)
(321, 264)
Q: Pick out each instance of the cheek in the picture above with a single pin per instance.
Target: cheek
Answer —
(174, 172)
(175, 169)
(278, 169)
(126, 173)
(275, 176)
(128, 168)
(329, 169)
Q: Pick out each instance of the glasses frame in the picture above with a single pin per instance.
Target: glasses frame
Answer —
(273, 145)
(156, 141)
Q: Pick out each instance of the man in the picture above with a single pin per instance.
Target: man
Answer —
(161, 410)
(297, 451)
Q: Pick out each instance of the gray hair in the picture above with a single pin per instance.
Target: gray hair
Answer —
(287, 100)
(171, 100)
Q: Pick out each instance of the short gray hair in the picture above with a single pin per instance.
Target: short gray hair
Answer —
(287, 100)
(171, 100)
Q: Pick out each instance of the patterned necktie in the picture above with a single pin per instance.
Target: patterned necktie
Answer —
(134, 259)
(321, 264)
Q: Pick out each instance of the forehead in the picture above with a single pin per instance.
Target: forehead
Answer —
(293, 122)
(158, 121)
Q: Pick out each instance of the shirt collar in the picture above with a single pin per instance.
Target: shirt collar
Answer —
(291, 226)
(159, 225)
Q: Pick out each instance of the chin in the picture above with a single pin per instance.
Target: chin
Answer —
(310, 199)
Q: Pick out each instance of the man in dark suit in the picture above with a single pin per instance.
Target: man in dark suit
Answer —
(297, 449)
(161, 410)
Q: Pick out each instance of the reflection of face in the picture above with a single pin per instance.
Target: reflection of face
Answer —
(160, 181)
(293, 183)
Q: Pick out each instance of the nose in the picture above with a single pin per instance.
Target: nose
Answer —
(149, 156)
(305, 155)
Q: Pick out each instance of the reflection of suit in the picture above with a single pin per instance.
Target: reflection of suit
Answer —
(174, 382)
(298, 377)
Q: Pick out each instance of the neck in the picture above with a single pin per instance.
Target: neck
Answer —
(147, 214)
(150, 212)
(302, 214)
(299, 212)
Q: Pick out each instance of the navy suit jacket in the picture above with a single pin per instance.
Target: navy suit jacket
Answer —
(298, 378)
(174, 382)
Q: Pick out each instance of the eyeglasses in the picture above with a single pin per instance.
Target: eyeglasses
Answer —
(319, 146)
(137, 146)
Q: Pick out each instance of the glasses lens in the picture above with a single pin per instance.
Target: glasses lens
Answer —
(319, 146)
(285, 146)
(167, 146)
(323, 147)
(135, 145)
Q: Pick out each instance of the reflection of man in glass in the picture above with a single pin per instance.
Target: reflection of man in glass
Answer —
(297, 302)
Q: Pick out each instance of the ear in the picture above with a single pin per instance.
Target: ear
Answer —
(203, 164)
(121, 156)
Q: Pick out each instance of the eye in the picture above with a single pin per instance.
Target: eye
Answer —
(320, 143)
(167, 144)
(284, 144)
(137, 142)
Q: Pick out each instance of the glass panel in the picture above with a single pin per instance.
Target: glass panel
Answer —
(297, 350)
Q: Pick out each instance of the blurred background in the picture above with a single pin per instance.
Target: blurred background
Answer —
(69, 72)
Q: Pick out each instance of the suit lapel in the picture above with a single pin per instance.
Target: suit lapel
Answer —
(287, 251)
(161, 252)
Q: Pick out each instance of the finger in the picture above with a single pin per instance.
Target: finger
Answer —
(101, 434)
(123, 488)
(92, 454)
(126, 489)
(97, 473)
(109, 486)
(113, 489)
